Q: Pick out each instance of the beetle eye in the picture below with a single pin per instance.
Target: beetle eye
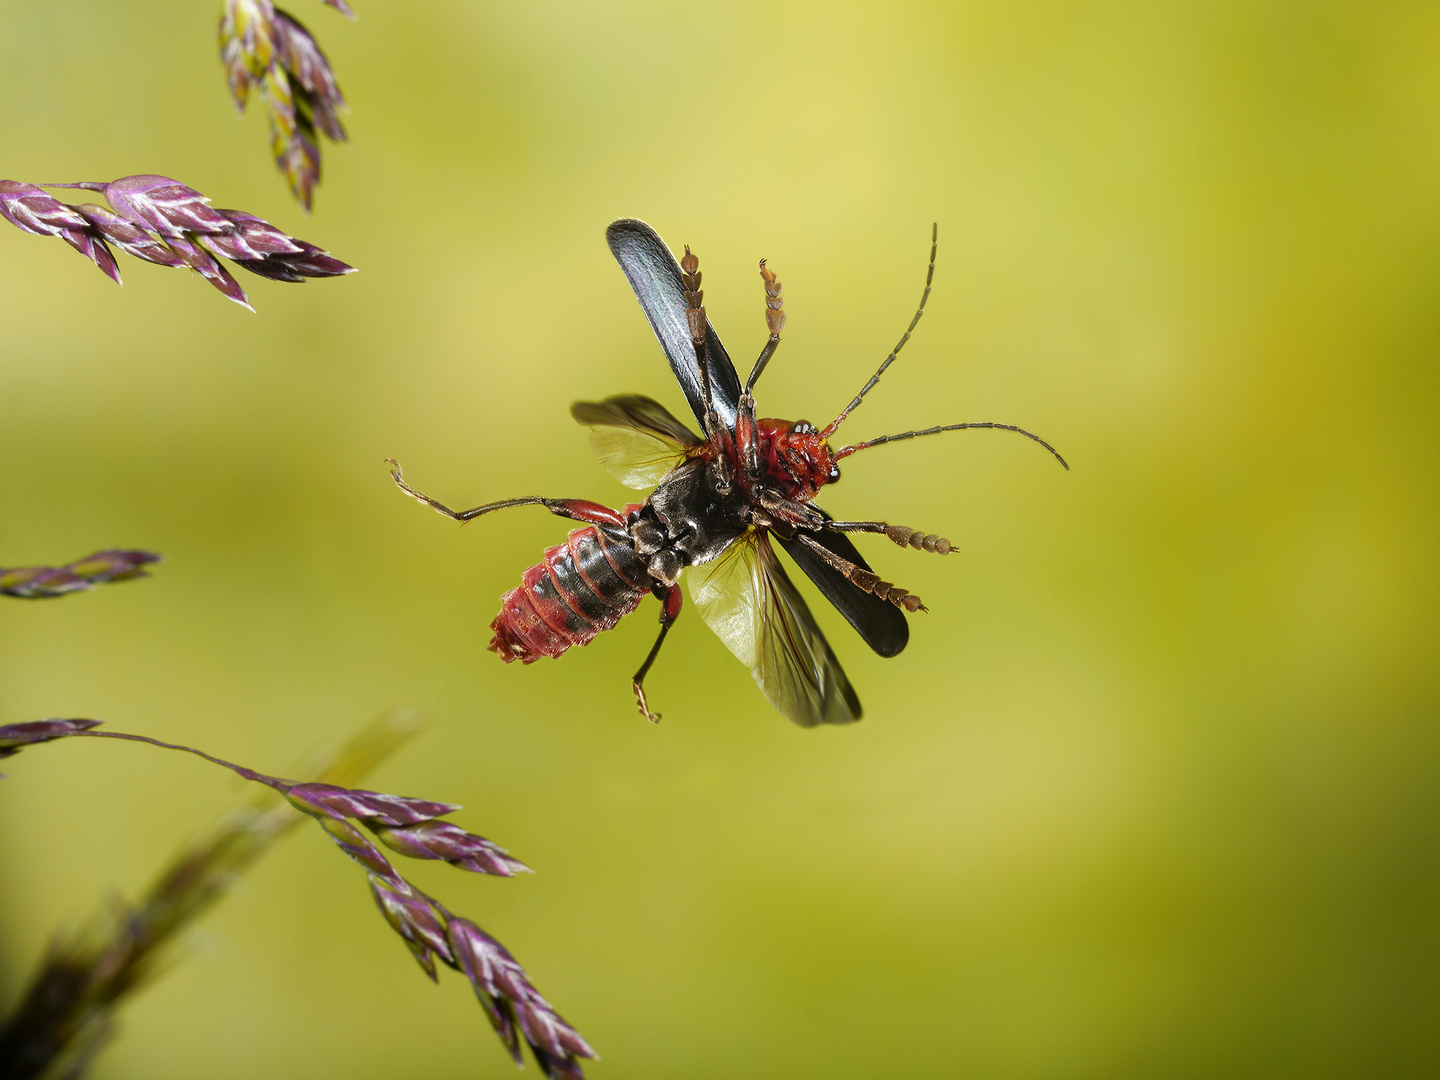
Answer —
(802, 427)
(834, 473)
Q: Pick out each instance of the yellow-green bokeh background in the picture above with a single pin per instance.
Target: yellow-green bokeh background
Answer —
(1153, 791)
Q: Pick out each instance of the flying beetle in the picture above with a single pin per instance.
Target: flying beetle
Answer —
(718, 498)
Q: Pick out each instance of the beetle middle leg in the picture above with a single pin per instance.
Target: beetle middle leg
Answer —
(902, 535)
(670, 601)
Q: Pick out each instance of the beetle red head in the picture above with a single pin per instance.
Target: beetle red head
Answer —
(796, 457)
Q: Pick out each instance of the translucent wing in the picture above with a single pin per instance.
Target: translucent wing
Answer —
(746, 597)
(635, 438)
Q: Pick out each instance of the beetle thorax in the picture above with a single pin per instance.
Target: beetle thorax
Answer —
(685, 521)
(795, 460)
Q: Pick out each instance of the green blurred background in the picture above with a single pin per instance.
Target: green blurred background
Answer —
(1153, 790)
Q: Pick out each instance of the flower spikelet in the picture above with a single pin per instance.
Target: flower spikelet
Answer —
(511, 1001)
(266, 47)
(413, 828)
(27, 207)
(430, 931)
(45, 582)
(14, 736)
(415, 918)
(163, 221)
(442, 840)
(402, 824)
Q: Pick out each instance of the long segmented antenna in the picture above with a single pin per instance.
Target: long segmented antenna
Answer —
(929, 277)
(846, 451)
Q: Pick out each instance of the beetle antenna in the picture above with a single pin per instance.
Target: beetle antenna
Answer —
(929, 276)
(846, 451)
(774, 321)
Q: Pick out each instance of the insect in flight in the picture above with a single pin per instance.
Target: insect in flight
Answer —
(718, 499)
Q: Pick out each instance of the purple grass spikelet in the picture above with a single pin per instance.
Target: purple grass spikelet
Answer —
(47, 582)
(27, 207)
(14, 736)
(511, 1001)
(266, 47)
(162, 221)
(163, 205)
(327, 800)
(128, 237)
(412, 827)
(70, 1007)
(352, 841)
(416, 919)
(442, 840)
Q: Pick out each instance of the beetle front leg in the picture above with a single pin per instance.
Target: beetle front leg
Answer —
(695, 322)
(774, 322)
(902, 535)
(670, 601)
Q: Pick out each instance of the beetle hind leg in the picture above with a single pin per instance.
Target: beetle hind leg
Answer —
(670, 600)
(574, 509)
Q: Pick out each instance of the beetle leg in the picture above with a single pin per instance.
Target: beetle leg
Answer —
(670, 600)
(774, 322)
(575, 509)
(584, 510)
(863, 579)
(898, 534)
(747, 441)
(695, 322)
(795, 514)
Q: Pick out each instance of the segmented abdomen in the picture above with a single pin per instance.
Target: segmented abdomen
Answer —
(581, 587)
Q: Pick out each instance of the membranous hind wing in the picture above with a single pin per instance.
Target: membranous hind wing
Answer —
(635, 438)
(746, 597)
(655, 276)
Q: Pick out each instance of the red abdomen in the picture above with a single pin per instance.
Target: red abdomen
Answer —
(581, 587)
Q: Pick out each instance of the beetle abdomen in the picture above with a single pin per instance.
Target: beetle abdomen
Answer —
(581, 587)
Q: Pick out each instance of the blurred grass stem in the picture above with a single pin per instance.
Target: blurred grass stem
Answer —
(66, 1013)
